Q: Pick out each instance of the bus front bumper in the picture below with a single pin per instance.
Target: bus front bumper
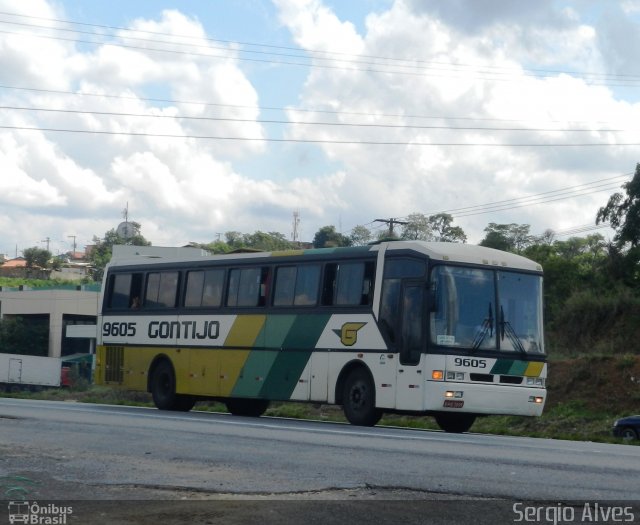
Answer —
(445, 396)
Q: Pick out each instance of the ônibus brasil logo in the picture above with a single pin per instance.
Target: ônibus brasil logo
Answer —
(35, 514)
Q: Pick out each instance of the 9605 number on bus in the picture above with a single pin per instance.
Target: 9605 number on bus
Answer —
(119, 329)
(470, 363)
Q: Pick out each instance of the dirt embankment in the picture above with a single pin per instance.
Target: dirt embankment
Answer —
(604, 384)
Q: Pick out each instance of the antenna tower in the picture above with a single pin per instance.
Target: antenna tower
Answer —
(296, 223)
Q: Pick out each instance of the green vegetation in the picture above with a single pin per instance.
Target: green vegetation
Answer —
(103, 247)
(16, 282)
(29, 335)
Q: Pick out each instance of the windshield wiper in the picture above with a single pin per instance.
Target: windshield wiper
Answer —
(487, 326)
(507, 329)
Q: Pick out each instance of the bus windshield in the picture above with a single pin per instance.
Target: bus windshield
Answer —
(485, 309)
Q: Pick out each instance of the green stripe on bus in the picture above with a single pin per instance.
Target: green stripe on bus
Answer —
(259, 363)
(305, 331)
(297, 348)
(510, 367)
(254, 373)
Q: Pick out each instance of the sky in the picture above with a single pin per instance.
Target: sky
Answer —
(232, 115)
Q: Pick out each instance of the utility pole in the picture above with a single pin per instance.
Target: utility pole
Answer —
(391, 223)
(47, 240)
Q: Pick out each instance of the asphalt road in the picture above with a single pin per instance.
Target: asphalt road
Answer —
(71, 451)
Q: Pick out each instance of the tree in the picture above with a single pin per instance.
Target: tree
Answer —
(234, 240)
(327, 237)
(100, 255)
(37, 257)
(623, 213)
(269, 242)
(417, 228)
(441, 229)
(360, 236)
(508, 237)
(27, 335)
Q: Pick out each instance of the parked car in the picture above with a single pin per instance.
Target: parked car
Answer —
(627, 427)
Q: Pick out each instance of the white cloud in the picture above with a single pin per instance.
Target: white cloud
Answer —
(489, 80)
(462, 64)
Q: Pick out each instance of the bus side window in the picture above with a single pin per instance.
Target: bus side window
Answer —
(329, 284)
(296, 285)
(367, 283)
(124, 290)
(162, 290)
(248, 286)
(204, 288)
(285, 288)
(307, 281)
(348, 284)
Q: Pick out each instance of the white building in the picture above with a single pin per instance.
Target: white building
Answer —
(59, 308)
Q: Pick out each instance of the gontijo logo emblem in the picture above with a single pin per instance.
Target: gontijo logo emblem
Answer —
(348, 334)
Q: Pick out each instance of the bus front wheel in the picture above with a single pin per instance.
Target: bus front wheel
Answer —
(455, 423)
(359, 399)
(163, 390)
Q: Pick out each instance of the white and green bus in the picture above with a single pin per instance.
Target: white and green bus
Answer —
(442, 329)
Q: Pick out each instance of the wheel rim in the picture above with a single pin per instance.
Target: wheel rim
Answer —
(358, 396)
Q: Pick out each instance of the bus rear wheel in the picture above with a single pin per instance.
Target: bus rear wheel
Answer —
(455, 423)
(359, 399)
(163, 390)
(247, 407)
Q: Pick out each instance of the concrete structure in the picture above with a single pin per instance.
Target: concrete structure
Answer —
(63, 308)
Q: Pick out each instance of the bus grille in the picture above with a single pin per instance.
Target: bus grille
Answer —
(512, 380)
(113, 371)
(486, 378)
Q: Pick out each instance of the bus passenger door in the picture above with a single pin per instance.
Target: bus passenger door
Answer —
(409, 378)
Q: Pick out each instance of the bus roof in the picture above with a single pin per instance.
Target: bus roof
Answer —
(441, 251)
(467, 253)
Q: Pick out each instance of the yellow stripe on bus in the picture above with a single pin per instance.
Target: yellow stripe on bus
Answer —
(245, 331)
(534, 369)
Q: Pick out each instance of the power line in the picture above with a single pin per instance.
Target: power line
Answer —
(340, 57)
(270, 108)
(302, 122)
(560, 191)
(568, 192)
(581, 229)
(324, 141)
(522, 73)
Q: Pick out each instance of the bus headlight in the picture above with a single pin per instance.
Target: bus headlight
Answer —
(536, 399)
(535, 381)
(453, 394)
(455, 376)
